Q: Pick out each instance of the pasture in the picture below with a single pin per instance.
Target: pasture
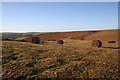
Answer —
(73, 59)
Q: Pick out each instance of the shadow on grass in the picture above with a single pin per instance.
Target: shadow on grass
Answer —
(111, 47)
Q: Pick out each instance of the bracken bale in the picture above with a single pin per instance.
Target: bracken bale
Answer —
(60, 41)
(96, 43)
(111, 41)
(35, 40)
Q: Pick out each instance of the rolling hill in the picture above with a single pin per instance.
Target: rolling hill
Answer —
(76, 58)
(104, 35)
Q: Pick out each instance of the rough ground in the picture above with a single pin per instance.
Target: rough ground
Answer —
(74, 59)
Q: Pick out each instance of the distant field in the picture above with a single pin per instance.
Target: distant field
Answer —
(74, 59)
(19, 36)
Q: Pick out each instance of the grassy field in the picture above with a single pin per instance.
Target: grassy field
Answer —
(74, 59)
(20, 38)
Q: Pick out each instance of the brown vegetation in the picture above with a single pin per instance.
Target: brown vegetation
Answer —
(104, 35)
(78, 35)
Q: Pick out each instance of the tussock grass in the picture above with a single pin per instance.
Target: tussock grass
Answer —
(74, 59)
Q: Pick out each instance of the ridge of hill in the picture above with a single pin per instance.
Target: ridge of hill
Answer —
(103, 35)
(63, 35)
(9, 35)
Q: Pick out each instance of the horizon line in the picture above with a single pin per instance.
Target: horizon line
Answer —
(53, 31)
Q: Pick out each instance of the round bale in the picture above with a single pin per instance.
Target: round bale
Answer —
(96, 43)
(111, 41)
(60, 41)
(35, 40)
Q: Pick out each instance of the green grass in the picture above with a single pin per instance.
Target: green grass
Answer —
(20, 38)
(26, 35)
(39, 33)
